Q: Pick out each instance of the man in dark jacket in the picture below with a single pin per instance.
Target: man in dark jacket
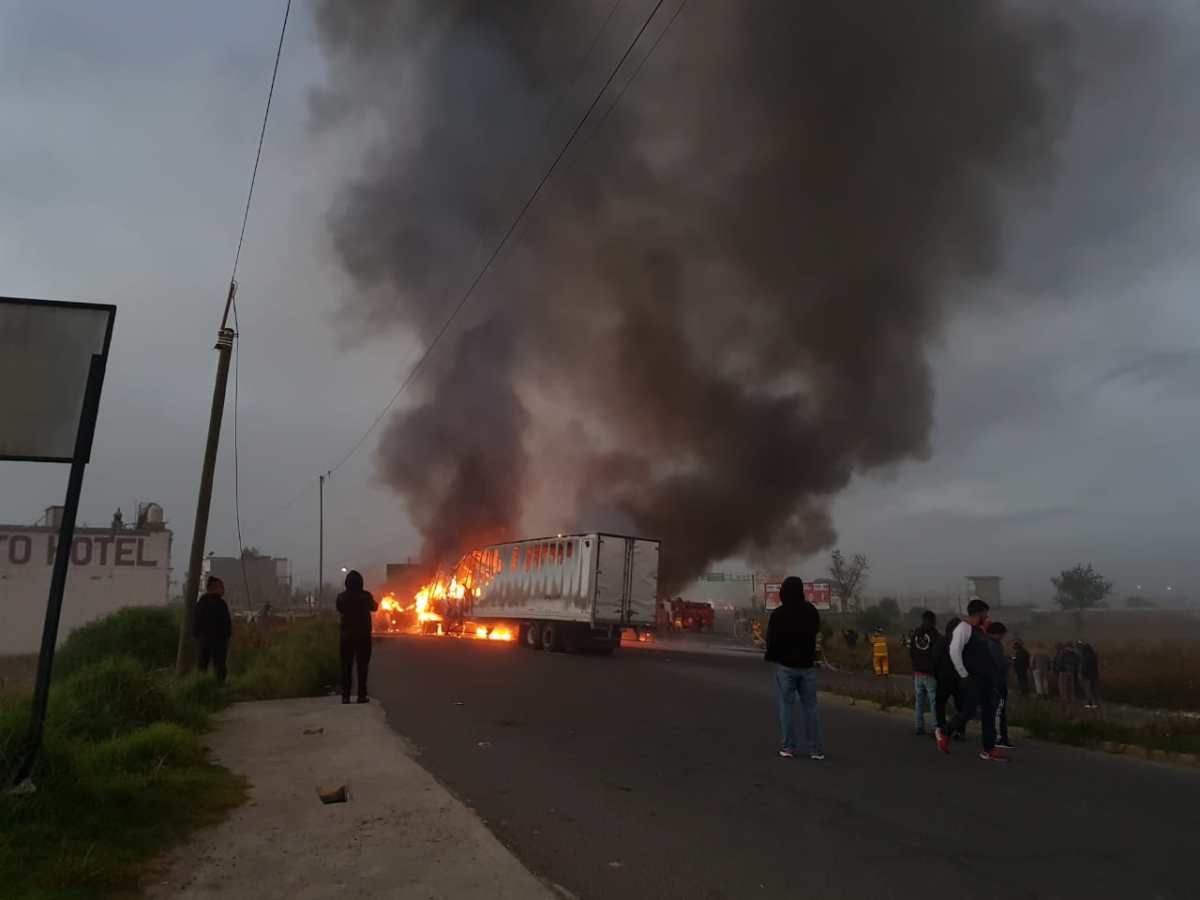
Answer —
(355, 606)
(792, 645)
(921, 648)
(1066, 667)
(972, 659)
(1089, 674)
(948, 683)
(996, 631)
(1021, 663)
(212, 628)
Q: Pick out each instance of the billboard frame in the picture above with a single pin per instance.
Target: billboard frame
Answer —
(65, 304)
(81, 455)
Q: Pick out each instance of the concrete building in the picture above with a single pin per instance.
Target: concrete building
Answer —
(111, 568)
(268, 578)
(985, 587)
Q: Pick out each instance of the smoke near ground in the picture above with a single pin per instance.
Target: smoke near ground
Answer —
(720, 310)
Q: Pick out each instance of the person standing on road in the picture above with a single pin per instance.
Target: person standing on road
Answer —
(921, 649)
(996, 631)
(972, 659)
(1021, 666)
(948, 682)
(792, 645)
(212, 628)
(355, 606)
(1066, 667)
(1041, 671)
(879, 652)
(1089, 674)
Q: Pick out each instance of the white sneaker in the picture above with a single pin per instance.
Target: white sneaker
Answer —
(816, 756)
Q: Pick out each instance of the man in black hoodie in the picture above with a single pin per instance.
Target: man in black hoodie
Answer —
(921, 652)
(792, 645)
(212, 628)
(355, 606)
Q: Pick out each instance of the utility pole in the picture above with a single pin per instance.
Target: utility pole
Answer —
(321, 543)
(185, 657)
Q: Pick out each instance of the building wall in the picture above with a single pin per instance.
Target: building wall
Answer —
(110, 569)
(261, 575)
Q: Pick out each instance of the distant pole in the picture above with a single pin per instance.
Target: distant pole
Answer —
(321, 543)
(186, 656)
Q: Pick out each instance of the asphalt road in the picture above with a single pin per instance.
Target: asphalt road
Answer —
(653, 774)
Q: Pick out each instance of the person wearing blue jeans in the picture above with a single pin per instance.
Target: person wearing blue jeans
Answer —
(793, 684)
(792, 645)
(921, 649)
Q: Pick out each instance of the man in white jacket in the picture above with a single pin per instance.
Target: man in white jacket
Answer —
(972, 658)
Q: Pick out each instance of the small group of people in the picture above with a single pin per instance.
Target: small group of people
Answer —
(967, 663)
(212, 628)
(1073, 670)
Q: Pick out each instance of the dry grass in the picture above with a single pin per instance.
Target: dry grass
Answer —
(1163, 674)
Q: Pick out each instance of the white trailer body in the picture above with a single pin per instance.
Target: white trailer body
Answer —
(567, 587)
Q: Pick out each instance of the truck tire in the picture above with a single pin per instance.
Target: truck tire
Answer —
(531, 635)
(552, 637)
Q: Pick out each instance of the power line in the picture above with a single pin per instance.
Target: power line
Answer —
(261, 137)
(503, 240)
(638, 71)
(237, 352)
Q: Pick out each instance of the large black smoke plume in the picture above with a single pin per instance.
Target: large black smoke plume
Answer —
(720, 309)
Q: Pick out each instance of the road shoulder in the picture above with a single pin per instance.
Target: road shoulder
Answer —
(400, 835)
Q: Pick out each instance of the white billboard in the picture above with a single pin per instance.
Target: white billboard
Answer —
(46, 350)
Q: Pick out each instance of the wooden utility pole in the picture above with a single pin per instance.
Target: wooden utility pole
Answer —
(185, 657)
(320, 542)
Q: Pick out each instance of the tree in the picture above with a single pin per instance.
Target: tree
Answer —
(848, 578)
(890, 607)
(1080, 588)
(873, 617)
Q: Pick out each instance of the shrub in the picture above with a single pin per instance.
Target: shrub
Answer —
(145, 751)
(150, 636)
(298, 661)
(106, 699)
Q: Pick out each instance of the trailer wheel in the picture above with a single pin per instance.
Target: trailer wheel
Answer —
(552, 637)
(531, 634)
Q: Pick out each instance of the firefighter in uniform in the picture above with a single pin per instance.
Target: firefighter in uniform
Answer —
(879, 652)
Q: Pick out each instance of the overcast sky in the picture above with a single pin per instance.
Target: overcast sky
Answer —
(1065, 427)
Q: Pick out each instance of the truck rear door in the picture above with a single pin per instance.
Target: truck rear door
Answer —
(641, 605)
(611, 584)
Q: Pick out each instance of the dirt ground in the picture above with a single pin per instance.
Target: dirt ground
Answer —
(401, 835)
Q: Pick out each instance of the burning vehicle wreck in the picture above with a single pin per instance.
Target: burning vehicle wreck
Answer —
(570, 592)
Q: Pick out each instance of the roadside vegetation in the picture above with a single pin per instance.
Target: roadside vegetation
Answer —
(123, 774)
(1148, 675)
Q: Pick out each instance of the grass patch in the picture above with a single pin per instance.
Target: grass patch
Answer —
(123, 775)
(1169, 734)
(1048, 721)
(150, 636)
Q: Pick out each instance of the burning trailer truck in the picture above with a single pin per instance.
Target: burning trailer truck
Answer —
(570, 592)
